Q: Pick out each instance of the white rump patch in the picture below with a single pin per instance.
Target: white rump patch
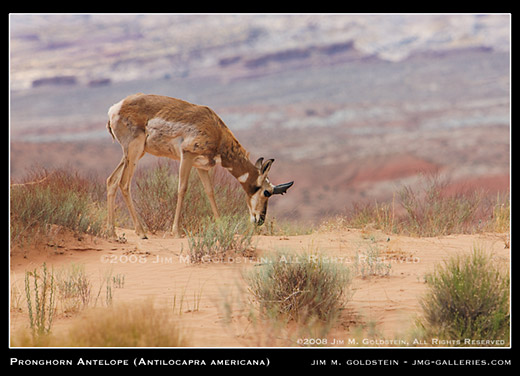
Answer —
(243, 178)
(113, 112)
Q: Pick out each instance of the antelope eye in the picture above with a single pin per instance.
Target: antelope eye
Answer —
(267, 193)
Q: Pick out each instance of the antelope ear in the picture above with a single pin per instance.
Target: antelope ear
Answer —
(281, 189)
(258, 163)
(266, 167)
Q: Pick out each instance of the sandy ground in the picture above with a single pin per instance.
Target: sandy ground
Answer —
(210, 300)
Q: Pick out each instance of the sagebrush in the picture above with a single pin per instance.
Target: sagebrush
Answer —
(61, 198)
(468, 298)
(430, 209)
(155, 198)
(302, 287)
(225, 237)
(44, 200)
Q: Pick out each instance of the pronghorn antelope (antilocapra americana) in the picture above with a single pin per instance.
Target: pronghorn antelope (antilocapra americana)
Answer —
(192, 134)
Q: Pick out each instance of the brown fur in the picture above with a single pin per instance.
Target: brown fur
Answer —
(211, 136)
(174, 128)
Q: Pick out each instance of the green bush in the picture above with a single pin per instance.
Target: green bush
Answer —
(468, 298)
(224, 237)
(302, 287)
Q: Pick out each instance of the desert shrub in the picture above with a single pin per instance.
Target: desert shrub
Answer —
(156, 198)
(370, 263)
(380, 215)
(221, 238)
(500, 220)
(303, 288)
(40, 291)
(432, 212)
(73, 288)
(60, 198)
(428, 209)
(468, 298)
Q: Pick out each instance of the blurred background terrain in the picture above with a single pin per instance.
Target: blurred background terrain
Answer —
(351, 106)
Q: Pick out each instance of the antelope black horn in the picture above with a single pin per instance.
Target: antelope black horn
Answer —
(280, 189)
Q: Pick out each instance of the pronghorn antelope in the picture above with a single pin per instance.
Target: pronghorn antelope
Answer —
(195, 135)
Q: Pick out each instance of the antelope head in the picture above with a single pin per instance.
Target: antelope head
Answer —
(261, 190)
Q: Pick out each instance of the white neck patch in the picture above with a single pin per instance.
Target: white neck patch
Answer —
(243, 178)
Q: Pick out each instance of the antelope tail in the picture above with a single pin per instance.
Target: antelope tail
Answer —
(110, 131)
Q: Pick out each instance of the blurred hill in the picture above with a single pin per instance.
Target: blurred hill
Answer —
(350, 106)
(94, 48)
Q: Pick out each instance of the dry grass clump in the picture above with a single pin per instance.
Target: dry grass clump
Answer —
(136, 325)
(74, 288)
(155, 196)
(226, 237)
(61, 198)
(64, 198)
(51, 293)
(432, 212)
(300, 287)
(500, 219)
(429, 210)
(126, 325)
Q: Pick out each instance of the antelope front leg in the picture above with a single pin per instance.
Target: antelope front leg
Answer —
(184, 177)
